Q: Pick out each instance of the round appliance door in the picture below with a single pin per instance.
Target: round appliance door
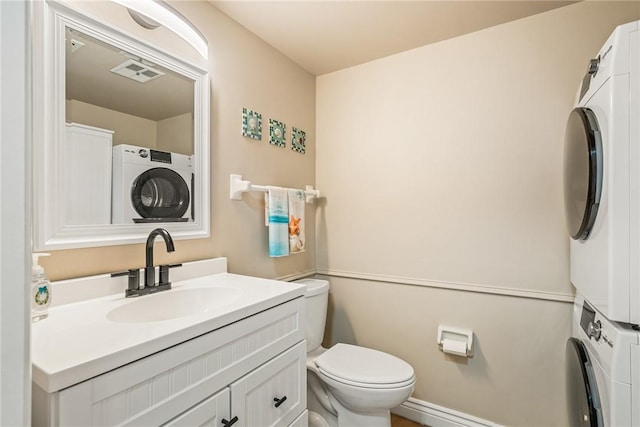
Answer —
(160, 193)
(582, 172)
(582, 390)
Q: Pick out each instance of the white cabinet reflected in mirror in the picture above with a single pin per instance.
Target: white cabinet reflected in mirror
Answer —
(121, 135)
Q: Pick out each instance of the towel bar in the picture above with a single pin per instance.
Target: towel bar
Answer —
(237, 186)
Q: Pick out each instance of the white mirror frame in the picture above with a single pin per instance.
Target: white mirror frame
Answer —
(48, 113)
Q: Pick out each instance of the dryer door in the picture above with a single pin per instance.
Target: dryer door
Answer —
(582, 390)
(160, 194)
(582, 172)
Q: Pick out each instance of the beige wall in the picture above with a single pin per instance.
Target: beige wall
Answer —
(244, 72)
(127, 129)
(442, 170)
(516, 376)
(176, 134)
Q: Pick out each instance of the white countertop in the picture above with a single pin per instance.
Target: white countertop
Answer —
(77, 341)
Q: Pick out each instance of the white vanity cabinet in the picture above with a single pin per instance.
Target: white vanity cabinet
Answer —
(240, 370)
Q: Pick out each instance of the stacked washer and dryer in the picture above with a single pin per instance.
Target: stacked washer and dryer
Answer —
(602, 203)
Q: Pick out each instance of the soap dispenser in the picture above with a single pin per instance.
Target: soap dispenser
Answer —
(40, 290)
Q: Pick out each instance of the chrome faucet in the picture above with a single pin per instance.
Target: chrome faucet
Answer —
(149, 269)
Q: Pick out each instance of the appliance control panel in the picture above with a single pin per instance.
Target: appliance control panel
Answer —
(160, 156)
(153, 155)
(592, 326)
(612, 345)
(131, 154)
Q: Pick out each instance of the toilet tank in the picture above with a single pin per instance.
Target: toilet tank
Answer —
(316, 305)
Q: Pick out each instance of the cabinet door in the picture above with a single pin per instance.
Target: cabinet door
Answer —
(208, 413)
(275, 394)
(302, 420)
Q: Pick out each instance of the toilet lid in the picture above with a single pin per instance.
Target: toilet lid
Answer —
(361, 365)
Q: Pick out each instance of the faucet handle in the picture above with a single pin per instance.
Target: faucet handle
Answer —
(164, 273)
(133, 275)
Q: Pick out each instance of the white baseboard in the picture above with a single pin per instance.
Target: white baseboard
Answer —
(433, 415)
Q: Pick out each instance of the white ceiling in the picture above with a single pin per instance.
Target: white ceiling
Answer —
(329, 35)
(89, 79)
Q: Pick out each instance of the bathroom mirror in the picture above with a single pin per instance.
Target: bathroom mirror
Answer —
(114, 113)
(144, 104)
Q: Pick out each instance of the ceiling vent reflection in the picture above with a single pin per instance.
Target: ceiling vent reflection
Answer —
(137, 71)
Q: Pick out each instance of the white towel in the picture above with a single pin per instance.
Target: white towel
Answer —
(277, 217)
(297, 237)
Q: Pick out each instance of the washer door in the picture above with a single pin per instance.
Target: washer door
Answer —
(582, 390)
(582, 172)
(160, 193)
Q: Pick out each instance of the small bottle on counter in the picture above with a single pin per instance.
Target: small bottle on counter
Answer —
(40, 290)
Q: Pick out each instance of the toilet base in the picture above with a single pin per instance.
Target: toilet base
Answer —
(321, 411)
(326, 411)
(317, 420)
(370, 419)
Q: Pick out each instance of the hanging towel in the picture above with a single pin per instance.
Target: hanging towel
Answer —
(277, 216)
(297, 237)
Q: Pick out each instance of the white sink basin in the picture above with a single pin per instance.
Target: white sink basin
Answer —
(174, 303)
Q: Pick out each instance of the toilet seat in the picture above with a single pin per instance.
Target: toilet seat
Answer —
(366, 385)
(364, 367)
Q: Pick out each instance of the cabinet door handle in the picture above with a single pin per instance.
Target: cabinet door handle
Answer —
(279, 401)
(229, 423)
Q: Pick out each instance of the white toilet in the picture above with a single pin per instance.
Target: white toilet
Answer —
(349, 385)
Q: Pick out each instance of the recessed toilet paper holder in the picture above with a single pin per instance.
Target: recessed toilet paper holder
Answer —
(456, 341)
